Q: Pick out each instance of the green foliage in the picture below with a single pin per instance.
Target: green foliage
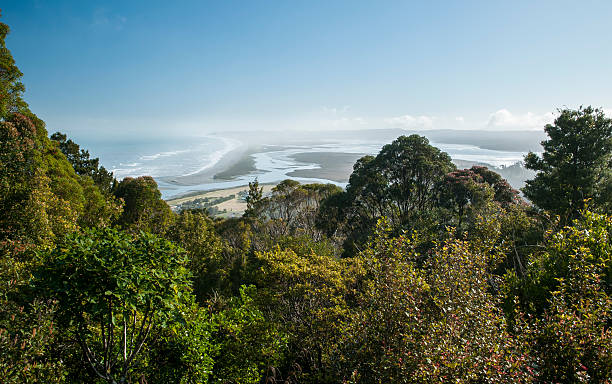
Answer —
(183, 352)
(42, 196)
(305, 245)
(520, 232)
(307, 295)
(247, 342)
(564, 306)
(83, 165)
(399, 183)
(588, 240)
(111, 290)
(504, 194)
(144, 209)
(236, 263)
(27, 330)
(432, 323)
(40, 193)
(463, 192)
(253, 199)
(291, 209)
(195, 232)
(331, 213)
(25, 336)
(572, 340)
(575, 165)
(18, 161)
(11, 87)
(99, 209)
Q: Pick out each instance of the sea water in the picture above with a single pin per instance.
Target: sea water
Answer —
(162, 157)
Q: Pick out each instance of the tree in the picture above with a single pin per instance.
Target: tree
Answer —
(27, 331)
(461, 190)
(306, 292)
(144, 208)
(248, 343)
(17, 169)
(11, 87)
(292, 208)
(25, 337)
(576, 163)
(41, 197)
(195, 232)
(399, 183)
(472, 190)
(84, 165)
(111, 291)
(587, 241)
(331, 213)
(183, 352)
(253, 199)
(504, 194)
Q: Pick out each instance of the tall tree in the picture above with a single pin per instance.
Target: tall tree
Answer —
(576, 163)
(144, 208)
(400, 183)
(11, 87)
(84, 165)
(253, 199)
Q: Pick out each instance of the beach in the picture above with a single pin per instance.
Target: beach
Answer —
(232, 207)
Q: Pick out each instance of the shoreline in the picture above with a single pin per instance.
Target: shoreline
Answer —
(207, 175)
(232, 207)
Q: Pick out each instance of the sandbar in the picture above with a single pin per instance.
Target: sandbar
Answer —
(243, 166)
(208, 175)
(334, 166)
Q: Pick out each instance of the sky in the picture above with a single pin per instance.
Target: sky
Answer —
(190, 67)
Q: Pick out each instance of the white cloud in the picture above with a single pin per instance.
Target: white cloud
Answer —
(460, 119)
(504, 119)
(411, 122)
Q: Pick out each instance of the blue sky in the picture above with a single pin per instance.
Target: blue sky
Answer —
(188, 67)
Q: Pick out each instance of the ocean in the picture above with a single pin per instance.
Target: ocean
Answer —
(162, 157)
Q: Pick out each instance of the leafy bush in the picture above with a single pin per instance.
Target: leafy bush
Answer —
(113, 290)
